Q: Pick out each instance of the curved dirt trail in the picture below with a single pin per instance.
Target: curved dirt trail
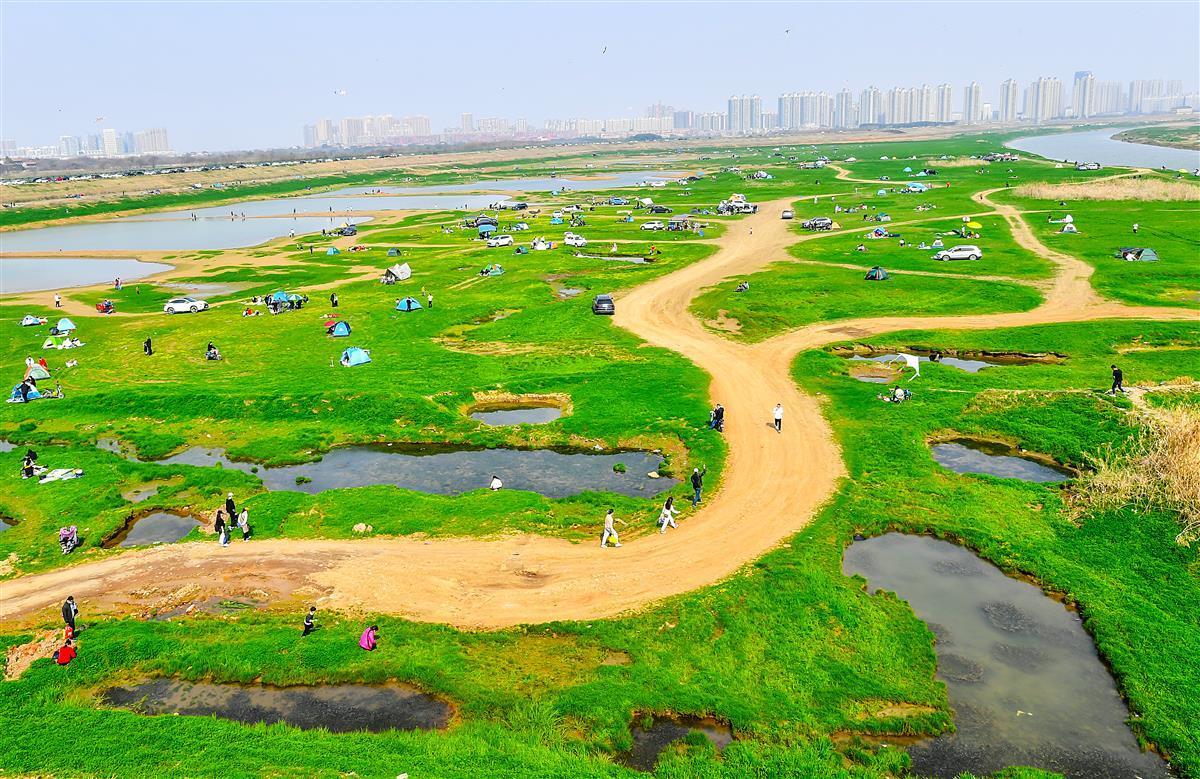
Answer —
(773, 484)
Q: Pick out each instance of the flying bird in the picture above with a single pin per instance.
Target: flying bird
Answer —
(99, 118)
(340, 92)
(605, 50)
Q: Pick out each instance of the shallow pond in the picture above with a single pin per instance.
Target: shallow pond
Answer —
(528, 415)
(649, 743)
(1024, 679)
(966, 455)
(438, 471)
(161, 527)
(339, 708)
(34, 274)
(970, 366)
(1100, 146)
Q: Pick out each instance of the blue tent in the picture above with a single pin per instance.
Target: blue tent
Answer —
(30, 321)
(408, 304)
(485, 229)
(340, 329)
(65, 325)
(278, 297)
(393, 252)
(556, 220)
(907, 170)
(333, 250)
(16, 394)
(355, 356)
(881, 193)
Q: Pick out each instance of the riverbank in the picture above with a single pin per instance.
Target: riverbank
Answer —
(1170, 137)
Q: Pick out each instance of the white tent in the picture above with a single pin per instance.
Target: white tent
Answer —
(399, 272)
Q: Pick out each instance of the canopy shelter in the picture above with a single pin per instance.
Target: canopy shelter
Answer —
(355, 356)
(876, 274)
(408, 304)
(339, 329)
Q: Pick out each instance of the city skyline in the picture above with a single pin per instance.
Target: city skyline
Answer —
(261, 89)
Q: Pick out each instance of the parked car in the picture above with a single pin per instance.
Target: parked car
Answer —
(964, 252)
(817, 223)
(787, 214)
(179, 305)
(603, 305)
(571, 239)
(660, 209)
(519, 206)
(653, 226)
(499, 240)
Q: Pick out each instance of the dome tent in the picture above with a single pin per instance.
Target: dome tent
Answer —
(340, 329)
(408, 304)
(876, 274)
(355, 356)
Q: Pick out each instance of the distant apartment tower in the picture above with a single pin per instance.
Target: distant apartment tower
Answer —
(844, 115)
(310, 136)
(684, 120)
(943, 99)
(1110, 98)
(973, 103)
(521, 126)
(659, 111)
(1083, 95)
(870, 106)
(326, 133)
(745, 114)
(1045, 100)
(152, 141)
(110, 143)
(896, 106)
(418, 126)
(68, 146)
(712, 122)
(1009, 93)
(351, 132)
(466, 123)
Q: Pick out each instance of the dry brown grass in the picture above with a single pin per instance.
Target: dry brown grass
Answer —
(958, 162)
(1160, 469)
(1125, 188)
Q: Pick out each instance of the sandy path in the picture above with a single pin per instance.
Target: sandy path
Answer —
(773, 483)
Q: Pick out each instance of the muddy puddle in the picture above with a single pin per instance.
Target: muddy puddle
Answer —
(970, 362)
(7, 523)
(566, 293)
(968, 455)
(442, 471)
(340, 708)
(649, 743)
(517, 415)
(161, 527)
(1024, 679)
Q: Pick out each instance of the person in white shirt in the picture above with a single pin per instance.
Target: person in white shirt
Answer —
(495, 484)
(667, 517)
(778, 417)
(610, 531)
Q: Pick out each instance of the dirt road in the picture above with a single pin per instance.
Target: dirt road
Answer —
(773, 484)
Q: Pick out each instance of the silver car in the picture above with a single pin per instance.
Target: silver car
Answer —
(964, 252)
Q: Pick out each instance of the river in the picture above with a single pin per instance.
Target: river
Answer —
(1099, 146)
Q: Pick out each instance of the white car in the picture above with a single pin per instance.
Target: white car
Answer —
(964, 252)
(787, 214)
(179, 305)
(499, 240)
(571, 239)
(654, 226)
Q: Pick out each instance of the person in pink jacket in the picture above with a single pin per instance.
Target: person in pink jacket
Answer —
(367, 640)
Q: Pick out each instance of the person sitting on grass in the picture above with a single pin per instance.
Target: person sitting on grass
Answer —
(369, 638)
(212, 353)
(66, 653)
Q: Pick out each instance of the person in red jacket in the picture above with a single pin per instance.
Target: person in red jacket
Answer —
(66, 653)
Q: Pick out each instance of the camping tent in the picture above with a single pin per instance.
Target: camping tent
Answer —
(907, 169)
(397, 273)
(1135, 254)
(65, 325)
(876, 274)
(492, 270)
(881, 193)
(486, 229)
(278, 297)
(36, 372)
(393, 252)
(31, 321)
(340, 329)
(15, 397)
(408, 304)
(1068, 228)
(333, 250)
(355, 356)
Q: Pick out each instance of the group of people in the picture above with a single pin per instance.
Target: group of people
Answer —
(228, 517)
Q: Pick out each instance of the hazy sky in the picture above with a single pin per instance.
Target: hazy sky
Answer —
(248, 75)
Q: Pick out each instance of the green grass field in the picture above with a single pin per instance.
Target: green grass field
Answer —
(798, 658)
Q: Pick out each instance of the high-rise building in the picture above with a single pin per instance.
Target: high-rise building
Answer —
(1083, 95)
(68, 146)
(896, 106)
(351, 131)
(844, 115)
(1044, 99)
(712, 122)
(870, 107)
(921, 106)
(1008, 100)
(110, 143)
(326, 133)
(152, 141)
(1110, 99)
(684, 120)
(944, 103)
(521, 126)
(972, 103)
(659, 111)
(310, 136)
(466, 123)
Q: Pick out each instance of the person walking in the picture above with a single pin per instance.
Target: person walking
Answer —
(610, 531)
(219, 526)
(429, 299)
(667, 517)
(778, 417)
(69, 612)
(57, 300)
(333, 300)
(1135, 228)
(309, 621)
(698, 485)
(243, 523)
(1118, 379)
(148, 347)
(369, 638)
